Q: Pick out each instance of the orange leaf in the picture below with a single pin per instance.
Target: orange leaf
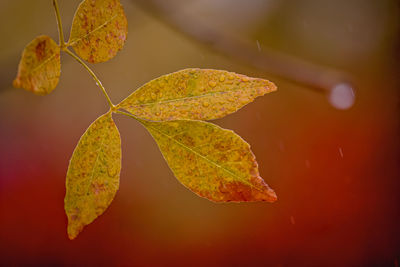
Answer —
(39, 69)
(99, 30)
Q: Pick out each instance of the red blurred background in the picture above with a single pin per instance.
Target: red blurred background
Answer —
(336, 171)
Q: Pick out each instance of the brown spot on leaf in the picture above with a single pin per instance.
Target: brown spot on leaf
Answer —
(239, 192)
(40, 50)
(97, 188)
(39, 68)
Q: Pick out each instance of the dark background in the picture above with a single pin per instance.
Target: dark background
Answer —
(336, 171)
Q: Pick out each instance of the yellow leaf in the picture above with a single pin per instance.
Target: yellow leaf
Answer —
(93, 174)
(212, 162)
(195, 94)
(99, 30)
(39, 68)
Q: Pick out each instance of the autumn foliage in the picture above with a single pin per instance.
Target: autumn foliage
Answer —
(214, 163)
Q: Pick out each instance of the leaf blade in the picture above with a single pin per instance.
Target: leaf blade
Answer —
(39, 69)
(214, 163)
(93, 174)
(194, 94)
(99, 30)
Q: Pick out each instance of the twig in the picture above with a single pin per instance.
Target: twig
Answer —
(59, 24)
(93, 75)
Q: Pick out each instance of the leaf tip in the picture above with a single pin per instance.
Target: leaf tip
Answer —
(71, 236)
(16, 83)
(272, 87)
(264, 193)
(74, 226)
(269, 87)
(270, 196)
(72, 231)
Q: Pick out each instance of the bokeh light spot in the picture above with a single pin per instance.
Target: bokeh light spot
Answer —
(342, 96)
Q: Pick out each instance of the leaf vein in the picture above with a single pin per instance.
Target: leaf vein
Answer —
(74, 42)
(206, 159)
(184, 98)
(43, 63)
(95, 163)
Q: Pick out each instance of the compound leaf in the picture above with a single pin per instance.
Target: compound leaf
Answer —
(99, 30)
(195, 94)
(93, 174)
(39, 69)
(212, 162)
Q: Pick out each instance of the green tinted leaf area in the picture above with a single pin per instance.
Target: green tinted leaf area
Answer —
(93, 174)
(212, 162)
(195, 94)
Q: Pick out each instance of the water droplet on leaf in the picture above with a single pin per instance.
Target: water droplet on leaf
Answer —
(212, 84)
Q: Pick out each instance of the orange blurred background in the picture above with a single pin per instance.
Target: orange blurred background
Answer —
(336, 171)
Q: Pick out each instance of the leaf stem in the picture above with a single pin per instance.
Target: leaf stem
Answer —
(59, 24)
(93, 75)
(127, 114)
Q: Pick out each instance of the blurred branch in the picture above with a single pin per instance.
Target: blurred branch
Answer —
(283, 66)
(98, 82)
